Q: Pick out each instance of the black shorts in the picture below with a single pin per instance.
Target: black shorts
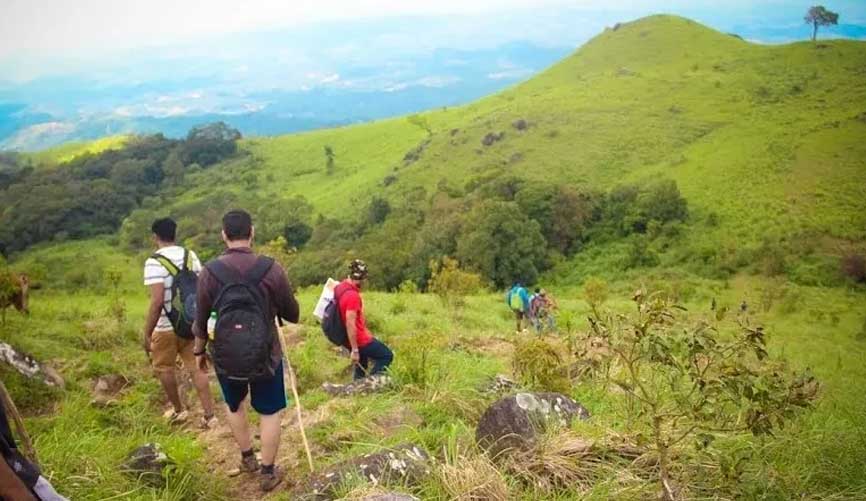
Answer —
(268, 396)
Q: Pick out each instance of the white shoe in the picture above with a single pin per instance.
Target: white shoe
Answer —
(174, 417)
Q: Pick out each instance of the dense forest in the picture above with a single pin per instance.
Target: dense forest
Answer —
(91, 194)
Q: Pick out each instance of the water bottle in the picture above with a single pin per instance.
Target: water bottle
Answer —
(211, 325)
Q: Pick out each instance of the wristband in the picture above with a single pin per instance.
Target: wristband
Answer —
(198, 354)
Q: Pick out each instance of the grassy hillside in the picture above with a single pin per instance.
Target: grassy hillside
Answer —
(69, 151)
(765, 143)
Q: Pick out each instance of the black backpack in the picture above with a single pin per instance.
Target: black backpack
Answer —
(332, 324)
(244, 334)
(184, 285)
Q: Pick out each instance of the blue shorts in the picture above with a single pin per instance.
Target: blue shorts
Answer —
(268, 396)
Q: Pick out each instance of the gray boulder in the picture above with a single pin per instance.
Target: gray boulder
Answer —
(148, 463)
(514, 422)
(405, 465)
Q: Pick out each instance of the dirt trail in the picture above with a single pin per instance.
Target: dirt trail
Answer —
(221, 452)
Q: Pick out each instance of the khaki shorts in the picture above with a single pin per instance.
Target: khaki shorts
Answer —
(165, 346)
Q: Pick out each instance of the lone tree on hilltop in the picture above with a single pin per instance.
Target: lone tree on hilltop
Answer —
(329, 159)
(819, 16)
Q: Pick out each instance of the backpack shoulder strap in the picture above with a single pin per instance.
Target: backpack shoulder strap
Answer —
(187, 261)
(224, 273)
(263, 265)
(166, 263)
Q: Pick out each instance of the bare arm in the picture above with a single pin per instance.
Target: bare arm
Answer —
(154, 309)
(11, 487)
(351, 329)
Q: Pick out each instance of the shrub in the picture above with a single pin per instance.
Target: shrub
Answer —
(595, 291)
(854, 267)
(541, 364)
(696, 382)
(448, 280)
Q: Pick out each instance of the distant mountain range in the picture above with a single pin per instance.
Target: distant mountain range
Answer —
(49, 111)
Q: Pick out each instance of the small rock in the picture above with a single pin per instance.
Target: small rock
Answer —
(390, 496)
(406, 465)
(520, 124)
(371, 384)
(513, 422)
(148, 463)
(499, 384)
(492, 137)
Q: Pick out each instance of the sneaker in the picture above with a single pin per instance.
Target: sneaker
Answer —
(270, 480)
(174, 417)
(208, 423)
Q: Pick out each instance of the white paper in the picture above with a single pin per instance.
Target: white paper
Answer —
(327, 294)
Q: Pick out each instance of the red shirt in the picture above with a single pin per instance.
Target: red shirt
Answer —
(350, 300)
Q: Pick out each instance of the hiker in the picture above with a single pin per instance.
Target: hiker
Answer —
(246, 292)
(364, 348)
(170, 273)
(20, 478)
(517, 299)
(542, 306)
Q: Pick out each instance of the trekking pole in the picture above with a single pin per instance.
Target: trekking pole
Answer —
(291, 376)
(26, 444)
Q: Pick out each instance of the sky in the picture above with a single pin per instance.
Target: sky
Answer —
(70, 26)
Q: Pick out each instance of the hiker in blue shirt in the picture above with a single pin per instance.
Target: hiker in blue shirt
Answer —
(517, 299)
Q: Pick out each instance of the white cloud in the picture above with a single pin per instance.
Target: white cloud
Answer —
(57, 26)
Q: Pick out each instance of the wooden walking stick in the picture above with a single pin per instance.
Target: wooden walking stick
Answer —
(290, 375)
(26, 444)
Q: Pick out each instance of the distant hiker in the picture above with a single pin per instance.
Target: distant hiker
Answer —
(744, 306)
(364, 348)
(20, 479)
(541, 307)
(517, 299)
(171, 274)
(246, 292)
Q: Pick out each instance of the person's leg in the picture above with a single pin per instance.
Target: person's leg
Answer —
(234, 394)
(199, 377)
(163, 355)
(268, 398)
(380, 354)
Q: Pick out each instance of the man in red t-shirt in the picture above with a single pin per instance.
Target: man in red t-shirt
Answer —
(365, 348)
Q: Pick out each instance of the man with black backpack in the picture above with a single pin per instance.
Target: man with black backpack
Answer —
(171, 274)
(246, 292)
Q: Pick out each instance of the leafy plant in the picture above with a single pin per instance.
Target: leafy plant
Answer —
(595, 291)
(541, 364)
(694, 382)
(448, 281)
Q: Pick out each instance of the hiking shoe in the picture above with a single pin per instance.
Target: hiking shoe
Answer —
(270, 480)
(249, 464)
